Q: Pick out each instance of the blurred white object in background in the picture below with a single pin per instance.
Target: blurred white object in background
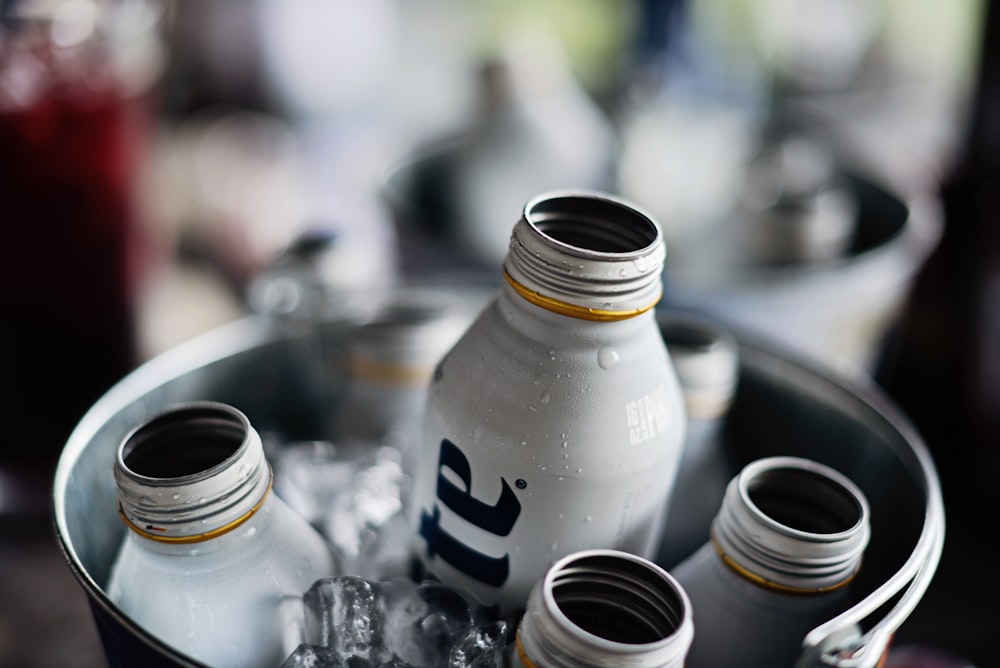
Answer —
(328, 58)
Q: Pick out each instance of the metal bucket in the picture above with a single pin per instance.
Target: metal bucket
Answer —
(782, 406)
(837, 310)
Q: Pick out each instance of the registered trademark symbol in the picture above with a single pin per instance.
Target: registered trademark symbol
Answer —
(521, 483)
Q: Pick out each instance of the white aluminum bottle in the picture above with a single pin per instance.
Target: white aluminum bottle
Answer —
(213, 564)
(604, 609)
(706, 358)
(784, 547)
(555, 423)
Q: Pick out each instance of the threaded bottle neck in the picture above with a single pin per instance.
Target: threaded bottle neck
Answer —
(191, 473)
(603, 608)
(586, 255)
(793, 525)
(706, 360)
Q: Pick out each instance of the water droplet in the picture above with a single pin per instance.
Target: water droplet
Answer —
(565, 444)
(532, 409)
(622, 273)
(553, 547)
(559, 478)
(545, 398)
(524, 442)
(175, 497)
(607, 357)
(561, 515)
(588, 518)
(579, 470)
(565, 455)
(541, 468)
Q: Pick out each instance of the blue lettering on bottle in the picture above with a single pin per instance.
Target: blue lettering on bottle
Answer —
(498, 519)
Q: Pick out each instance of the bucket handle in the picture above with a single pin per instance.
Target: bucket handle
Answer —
(839, 642)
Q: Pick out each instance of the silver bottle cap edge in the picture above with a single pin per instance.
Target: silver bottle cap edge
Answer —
(550, 636)
(706, 359)
(626, 280)
(782, 557)
(202, 504)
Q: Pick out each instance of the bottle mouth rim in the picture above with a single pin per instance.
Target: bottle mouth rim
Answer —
(593, 214)
(650, 610)
(792, 524)
(152, 445)
(586, 254)
(190, 473)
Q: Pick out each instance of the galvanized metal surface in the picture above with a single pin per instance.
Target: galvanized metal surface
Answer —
(783, 406)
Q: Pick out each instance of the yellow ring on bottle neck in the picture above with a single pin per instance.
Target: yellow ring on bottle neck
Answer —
(770, 584)
(572, 310)
(521, 654)
(386, 373)
(200, 537)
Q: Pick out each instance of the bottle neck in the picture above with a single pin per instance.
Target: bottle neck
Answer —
(602, 608)
(191, 473)
(706, 360)
(792, 525)
(586, 255)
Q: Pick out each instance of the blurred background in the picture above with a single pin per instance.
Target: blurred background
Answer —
(824, 172)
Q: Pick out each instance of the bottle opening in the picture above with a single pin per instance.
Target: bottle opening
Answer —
(805, 501)
(184, 442)
(688, 335)
(592, 224)
(618, 600)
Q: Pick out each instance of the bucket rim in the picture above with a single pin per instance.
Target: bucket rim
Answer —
(838, 642)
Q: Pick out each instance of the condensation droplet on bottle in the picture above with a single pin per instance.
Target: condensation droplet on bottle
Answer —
(524, 443)
(251, 531)
(622, 273)
(545, 397)
(579, 470)
(541, 468)
(607, 357)
(176, 497)
(565, 444)
(532, 409)
(588, 518)
(145, 500)
(566, 455)
(553, 547)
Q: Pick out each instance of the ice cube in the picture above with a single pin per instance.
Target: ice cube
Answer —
(364, 523)
(309, 475)
(396, 662)
(425, 620)
(482, 646)
(348, 615)
(313, 656)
